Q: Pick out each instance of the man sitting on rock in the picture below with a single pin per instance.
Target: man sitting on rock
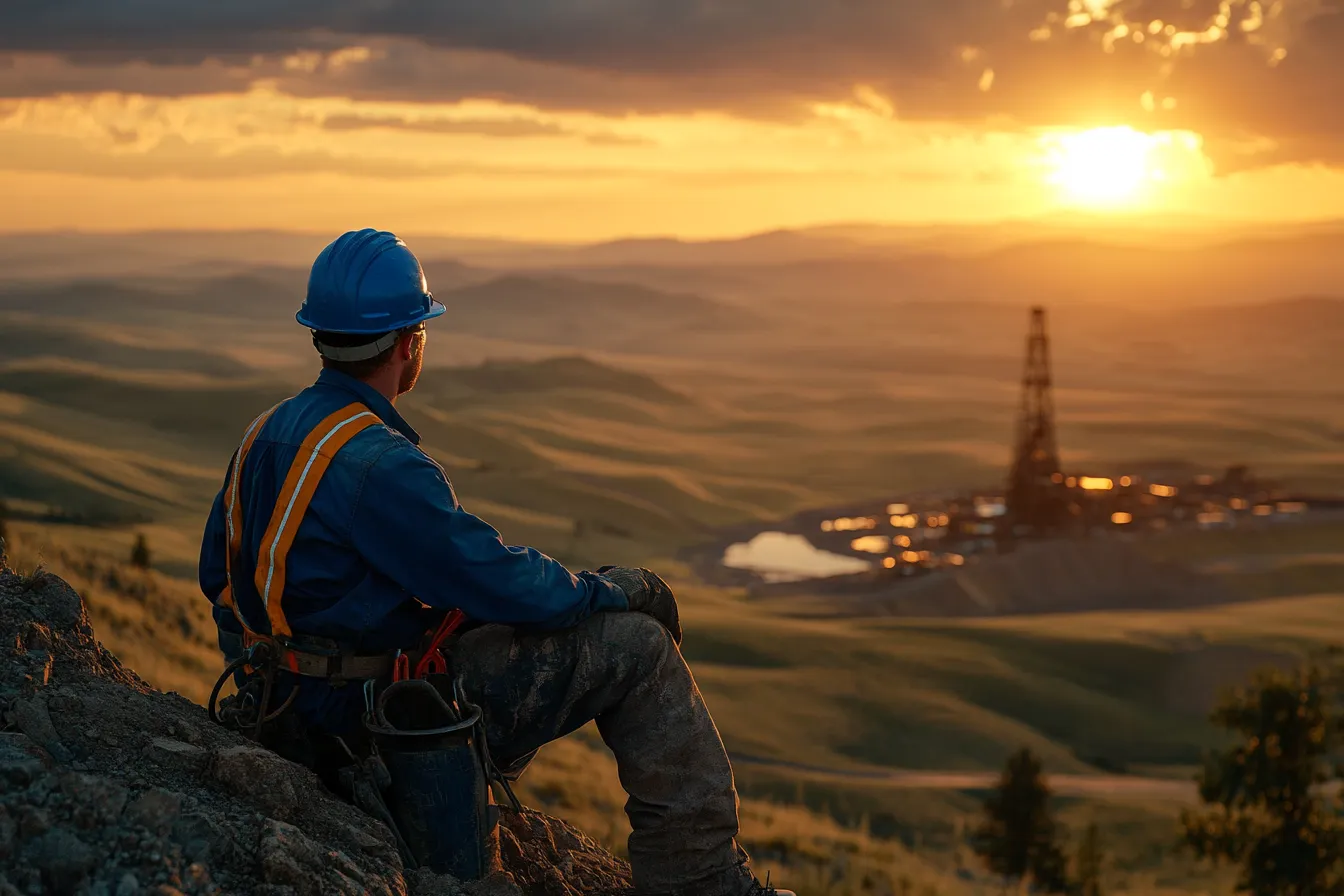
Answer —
(333, 528)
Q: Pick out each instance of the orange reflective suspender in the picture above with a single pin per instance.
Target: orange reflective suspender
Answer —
(305, 473)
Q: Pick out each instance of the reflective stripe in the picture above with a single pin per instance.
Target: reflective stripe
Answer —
(305, 474)
(233, 516)
(303, 478)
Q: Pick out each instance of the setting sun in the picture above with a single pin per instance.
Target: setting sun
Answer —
(1103, 166)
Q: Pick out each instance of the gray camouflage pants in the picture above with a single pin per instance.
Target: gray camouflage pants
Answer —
(623, 670)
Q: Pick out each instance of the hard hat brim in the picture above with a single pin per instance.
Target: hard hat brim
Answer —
(436, 308)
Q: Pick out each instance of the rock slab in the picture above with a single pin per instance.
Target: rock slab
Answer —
(111, 788)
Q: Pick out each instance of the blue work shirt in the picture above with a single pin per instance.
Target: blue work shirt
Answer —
(384, 549)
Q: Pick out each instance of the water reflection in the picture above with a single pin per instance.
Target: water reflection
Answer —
(781, 557)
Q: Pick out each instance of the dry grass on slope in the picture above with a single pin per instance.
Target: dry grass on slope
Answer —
(157, 625)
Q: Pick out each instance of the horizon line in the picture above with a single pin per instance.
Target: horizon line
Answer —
(1154, 221)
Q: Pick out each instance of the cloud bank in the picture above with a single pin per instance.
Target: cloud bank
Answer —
(1246, 74)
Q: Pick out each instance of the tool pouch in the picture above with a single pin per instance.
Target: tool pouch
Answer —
(439, 796)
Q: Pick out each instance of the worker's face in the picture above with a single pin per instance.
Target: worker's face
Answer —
(410, 371)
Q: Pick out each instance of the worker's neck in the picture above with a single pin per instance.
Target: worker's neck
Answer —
(386, 383)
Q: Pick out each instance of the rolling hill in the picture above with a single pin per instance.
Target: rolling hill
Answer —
(33, 337)
(564, 311)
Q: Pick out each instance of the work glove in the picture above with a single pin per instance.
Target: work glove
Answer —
(647, 593)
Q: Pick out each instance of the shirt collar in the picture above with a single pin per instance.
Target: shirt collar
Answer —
(371, 398)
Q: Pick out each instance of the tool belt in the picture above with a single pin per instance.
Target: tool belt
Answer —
(264, 656)
(331, 664)
(341, 667)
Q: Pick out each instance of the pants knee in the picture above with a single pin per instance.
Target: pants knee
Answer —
(638, 638)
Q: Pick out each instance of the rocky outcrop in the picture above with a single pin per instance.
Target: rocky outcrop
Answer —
(111, 788)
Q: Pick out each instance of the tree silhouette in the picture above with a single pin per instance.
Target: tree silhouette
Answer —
(1088, 863)
(1017, 837)
(140, 552)
(1270, 809)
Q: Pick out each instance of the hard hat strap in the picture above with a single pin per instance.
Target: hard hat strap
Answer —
(356, 352)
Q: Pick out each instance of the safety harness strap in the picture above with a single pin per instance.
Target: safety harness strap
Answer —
(336, 667)
(234, 512)
(310, 464)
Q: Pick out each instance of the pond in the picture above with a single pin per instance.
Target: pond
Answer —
(781, 557)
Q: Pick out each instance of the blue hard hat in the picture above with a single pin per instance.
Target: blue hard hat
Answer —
(367, 281)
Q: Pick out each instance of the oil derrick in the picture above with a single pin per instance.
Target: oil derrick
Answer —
(1036, 495)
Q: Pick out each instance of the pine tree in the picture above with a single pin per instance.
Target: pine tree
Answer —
(1087, 864)
(1017, 836)
(1273, 795)
(140, 552)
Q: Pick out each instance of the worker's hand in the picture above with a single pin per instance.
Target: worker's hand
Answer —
(647, 593)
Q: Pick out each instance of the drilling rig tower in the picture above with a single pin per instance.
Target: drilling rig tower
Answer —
(1036, 499)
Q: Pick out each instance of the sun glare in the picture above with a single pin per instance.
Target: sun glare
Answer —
(1103, 166)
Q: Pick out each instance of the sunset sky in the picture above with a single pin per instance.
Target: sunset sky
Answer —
(588, 119)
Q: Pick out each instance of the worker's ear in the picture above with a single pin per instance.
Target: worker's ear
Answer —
(406, 344)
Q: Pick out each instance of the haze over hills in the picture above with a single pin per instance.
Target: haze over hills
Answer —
(63, 254)
(852, 269)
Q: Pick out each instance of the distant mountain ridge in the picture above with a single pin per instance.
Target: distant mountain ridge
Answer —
(64, 254)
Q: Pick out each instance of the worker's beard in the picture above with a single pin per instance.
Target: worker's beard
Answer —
(411, 372)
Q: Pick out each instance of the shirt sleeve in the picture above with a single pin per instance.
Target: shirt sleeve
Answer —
(409, 525)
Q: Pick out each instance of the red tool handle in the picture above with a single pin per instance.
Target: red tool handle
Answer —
(433, 661)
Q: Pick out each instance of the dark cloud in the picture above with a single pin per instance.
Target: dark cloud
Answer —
(1296, 103)
(30, 75)
(625, 35)
(636, 54)
(756, 57)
